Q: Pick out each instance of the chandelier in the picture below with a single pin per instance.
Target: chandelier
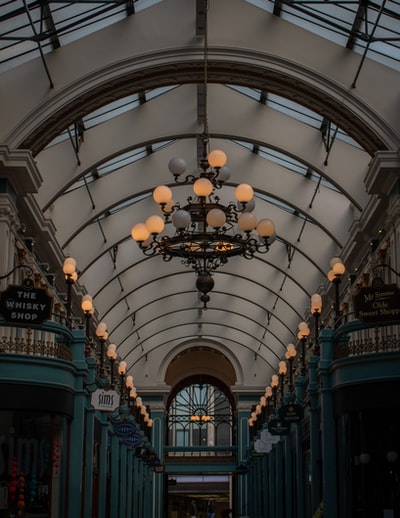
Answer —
(206, 232)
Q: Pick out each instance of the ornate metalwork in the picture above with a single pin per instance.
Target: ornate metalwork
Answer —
(368, 345)
(34, 347)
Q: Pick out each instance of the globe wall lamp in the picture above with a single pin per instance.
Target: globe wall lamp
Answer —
(274, 386)
(302, 335)
(290, 355)
(70, 275)
(282, 373)
(102, 335)
(335, 277)
(316, 309)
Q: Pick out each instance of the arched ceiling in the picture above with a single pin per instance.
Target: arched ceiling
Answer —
(280, 103)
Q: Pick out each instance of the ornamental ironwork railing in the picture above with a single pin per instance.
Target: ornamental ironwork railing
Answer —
(369, 340)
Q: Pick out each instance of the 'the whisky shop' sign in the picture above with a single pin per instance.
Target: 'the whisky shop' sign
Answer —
(374, 305)
(20, 305)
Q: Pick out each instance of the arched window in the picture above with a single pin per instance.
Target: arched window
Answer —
(200, 414)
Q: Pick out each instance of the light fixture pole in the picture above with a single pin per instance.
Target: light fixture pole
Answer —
(282, 374)
(303, 334)
(112, 356)
(335, 276)
(274, 386)
(70, 274)
(102, 335)
(290, 356)
(122, 373)
(316, 309)
(88, 311)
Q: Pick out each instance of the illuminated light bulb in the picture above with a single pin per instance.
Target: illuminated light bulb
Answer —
(202, 187)
(155, 224)
(217, 158)
(162, 194)
(244, 193)
(140, 232)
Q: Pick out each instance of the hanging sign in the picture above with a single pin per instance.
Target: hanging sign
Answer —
(105, 400)
(375, 305)
(20, 305)
(133, 440)
(278, 427)
(124, 429)
(291, 413)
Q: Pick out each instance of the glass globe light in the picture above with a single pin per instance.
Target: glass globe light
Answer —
(268, 392)
(162, 194)
(282, 367)
(247, 222)
(244, 192)
(181, 219)
(202, 187)
(140, 232)
(155, 224)
(303, 326)
(129, 382)
(338, 268)
(216, 218)
(316, 303)
(331, 276)
(101, 329)
(69, 266)
(224, 174)
(217, 158)
(248, 207)
(87, 303)
(274, 380)
(122, 368)
(265, 228)
(177, 166)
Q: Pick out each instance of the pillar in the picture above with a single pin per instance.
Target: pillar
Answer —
(315, 447)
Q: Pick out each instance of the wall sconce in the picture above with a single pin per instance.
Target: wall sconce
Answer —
(335, 276)
(274, 386)
(88, 311)
(316, 309)
(304, 332)
(102, 335)
(290, 356)
(282, 374)
(69, 270)
(112, 356)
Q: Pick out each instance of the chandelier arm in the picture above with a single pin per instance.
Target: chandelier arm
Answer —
(190, 178)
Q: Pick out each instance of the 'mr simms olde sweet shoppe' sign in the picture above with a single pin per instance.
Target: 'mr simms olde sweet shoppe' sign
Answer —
(378, 304)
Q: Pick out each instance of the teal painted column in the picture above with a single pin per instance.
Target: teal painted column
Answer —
(265, 488)
(289, 477)
(272, 483)
(136, 482)
(243, 412)
(122, 480)
(280, 489)
(157, 439)
(77, 428)
(129, 482)
(114, 489)
(89, 445)
(329, 442)
(299, 387)
(103, 474)
(315, 446)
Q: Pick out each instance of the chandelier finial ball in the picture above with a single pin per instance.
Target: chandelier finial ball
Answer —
(204, 283)
(139, 232)
(155, 224)
(162, 194)
(216, 218)
(177, 166)
(202, 187)
(217, 158)
(265, 228)
(181, 219)
(244, 192)
(247, 222)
